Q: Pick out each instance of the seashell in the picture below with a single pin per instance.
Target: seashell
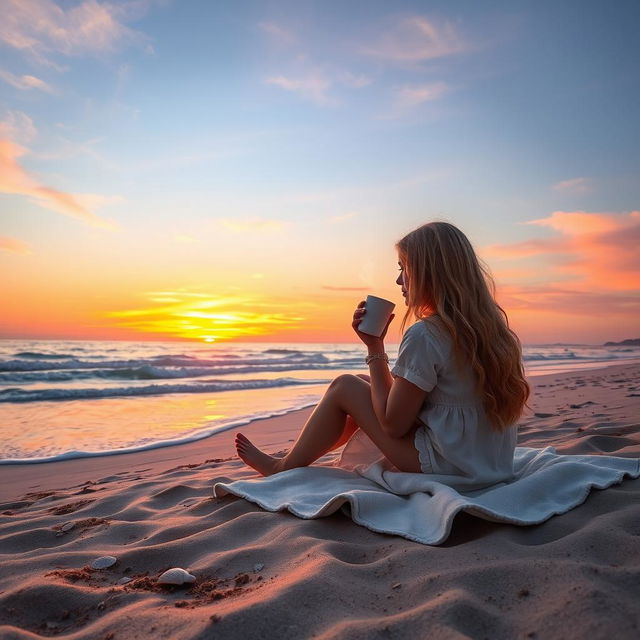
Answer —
(176, 576)
(67, 526)
(124, 580)
(258, 567)
(103, 562)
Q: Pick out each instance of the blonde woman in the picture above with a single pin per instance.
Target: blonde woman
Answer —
(450, 404)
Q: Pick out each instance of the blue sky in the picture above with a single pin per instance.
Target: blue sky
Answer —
(285, 146)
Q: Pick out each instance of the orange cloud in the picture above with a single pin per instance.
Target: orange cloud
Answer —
(14, 245)
(578, 223)
(591, 269)
(556, 298)
(601, 248)
(597, 250)
(15, 180)
(523, 249)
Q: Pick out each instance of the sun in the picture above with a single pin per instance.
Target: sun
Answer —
(205, 319)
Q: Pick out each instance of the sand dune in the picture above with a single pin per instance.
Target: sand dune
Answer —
(266, 575)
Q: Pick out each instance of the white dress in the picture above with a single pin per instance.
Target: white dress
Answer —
(454, 440)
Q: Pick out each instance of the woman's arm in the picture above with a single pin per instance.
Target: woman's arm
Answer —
(396, 401)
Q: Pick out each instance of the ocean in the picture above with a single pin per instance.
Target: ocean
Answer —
(68, 399)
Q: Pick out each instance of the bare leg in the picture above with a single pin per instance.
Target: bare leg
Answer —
(347, 395)
(350, 426)
(322, 430)
(268, 465)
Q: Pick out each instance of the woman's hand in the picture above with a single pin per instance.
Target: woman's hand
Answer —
(374, 343)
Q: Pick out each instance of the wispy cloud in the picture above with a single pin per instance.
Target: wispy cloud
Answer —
(319, 86)
(25, 82)
(184, 238)
(17, 125)
(354, 80)
(356, 194)
(575, 185)
(13, 245)
(14, 179)
(299, 72)
(251, 225)
(41, 27)
(181, 293)
(526, 248)
(312, 86)
(343, 217)
(277, 33)
(332, 288)
(414, 95)
(415, 39)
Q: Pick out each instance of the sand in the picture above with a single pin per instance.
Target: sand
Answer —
(272, 575)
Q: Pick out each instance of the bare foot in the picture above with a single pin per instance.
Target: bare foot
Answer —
(263, 463)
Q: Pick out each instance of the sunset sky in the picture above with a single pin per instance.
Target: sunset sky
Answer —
(242, 170)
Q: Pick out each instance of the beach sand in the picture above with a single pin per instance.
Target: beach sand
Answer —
(272, 575)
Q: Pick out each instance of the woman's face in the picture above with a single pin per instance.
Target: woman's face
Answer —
(403, 281)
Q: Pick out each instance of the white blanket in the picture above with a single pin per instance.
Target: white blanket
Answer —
(421, 507)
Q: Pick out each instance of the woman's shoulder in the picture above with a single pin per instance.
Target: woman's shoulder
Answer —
(430, 333)
(431, 326)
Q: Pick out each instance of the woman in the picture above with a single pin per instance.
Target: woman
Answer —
(451, 402)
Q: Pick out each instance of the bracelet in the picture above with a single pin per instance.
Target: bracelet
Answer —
(377, 356)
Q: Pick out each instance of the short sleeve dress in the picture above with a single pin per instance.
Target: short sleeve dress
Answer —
(454, 439)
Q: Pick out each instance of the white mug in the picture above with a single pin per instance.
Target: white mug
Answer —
(378, 312)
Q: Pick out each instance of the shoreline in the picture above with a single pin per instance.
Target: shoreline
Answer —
(190, 412)
(33, 476)
(79, 455)
(276, 431)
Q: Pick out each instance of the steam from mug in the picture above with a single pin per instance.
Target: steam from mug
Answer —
(378, 313)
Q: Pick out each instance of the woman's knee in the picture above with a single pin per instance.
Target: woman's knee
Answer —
(348, 386)
(348, 389)
(340, 381)
(344, 381)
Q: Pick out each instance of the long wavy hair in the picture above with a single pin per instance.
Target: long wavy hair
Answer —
(447, 278)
